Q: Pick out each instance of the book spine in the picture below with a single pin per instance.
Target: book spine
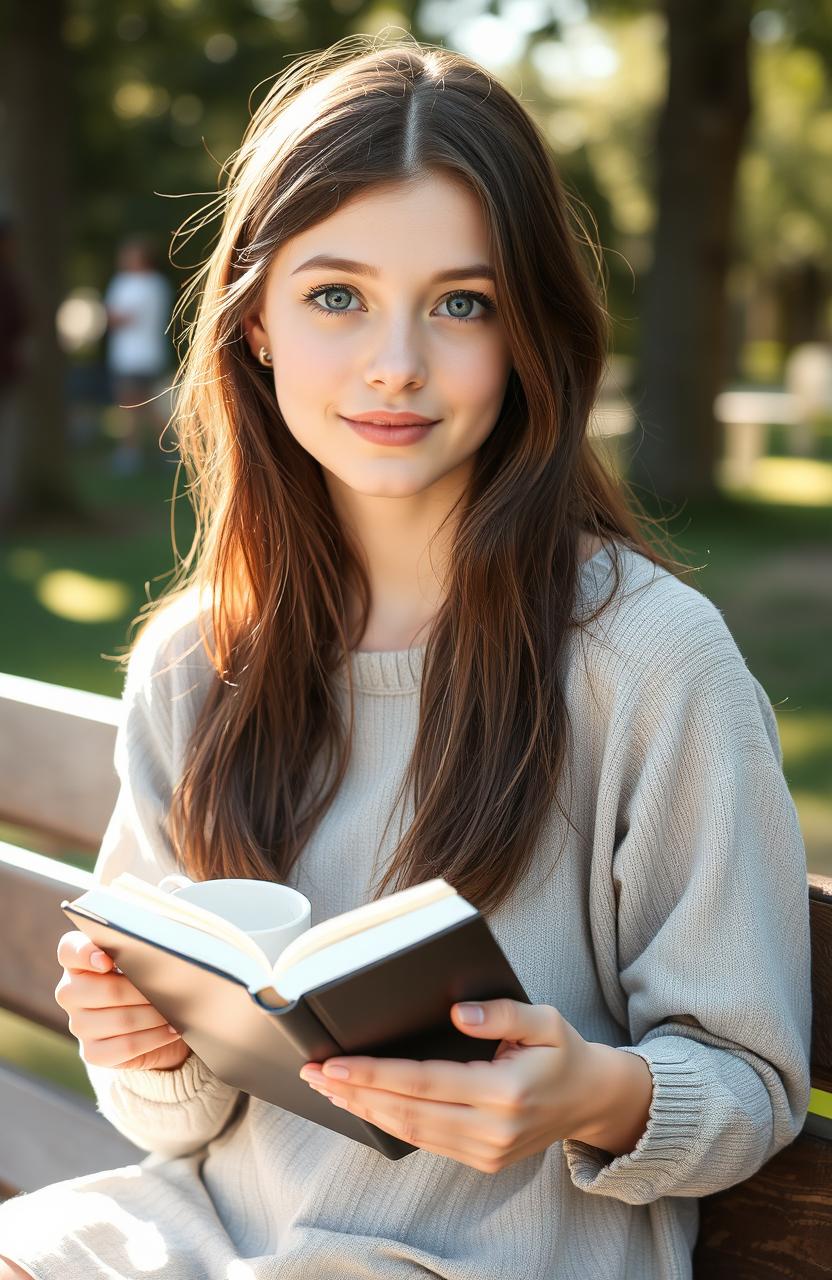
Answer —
(313, 1042)
(302, 1028)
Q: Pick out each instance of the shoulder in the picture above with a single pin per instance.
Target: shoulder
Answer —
(169, 671)
(646, 612)
(661, 650)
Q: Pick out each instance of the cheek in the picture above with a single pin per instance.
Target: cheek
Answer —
(304, 359)
(308, 371)
(476, 372)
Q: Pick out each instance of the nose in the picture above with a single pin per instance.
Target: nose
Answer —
(397, 360)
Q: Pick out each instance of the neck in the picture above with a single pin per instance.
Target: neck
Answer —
(406, 556)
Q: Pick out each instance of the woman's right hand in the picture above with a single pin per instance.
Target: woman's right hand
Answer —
(113, 1023)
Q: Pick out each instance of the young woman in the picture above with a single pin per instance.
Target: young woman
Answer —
(436, 646)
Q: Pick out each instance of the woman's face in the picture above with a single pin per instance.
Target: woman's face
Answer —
(394, 338)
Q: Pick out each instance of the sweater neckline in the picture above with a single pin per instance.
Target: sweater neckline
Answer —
(397, 671)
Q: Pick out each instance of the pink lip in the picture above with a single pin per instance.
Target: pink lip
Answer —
(410, 433)
(392, 419)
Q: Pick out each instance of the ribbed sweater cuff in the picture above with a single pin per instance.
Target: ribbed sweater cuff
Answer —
(178, 1085)
(171, 1113)
(650, 1170)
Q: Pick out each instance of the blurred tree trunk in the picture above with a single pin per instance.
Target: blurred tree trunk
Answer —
(682, 361)
(803, 295)
(35, 97)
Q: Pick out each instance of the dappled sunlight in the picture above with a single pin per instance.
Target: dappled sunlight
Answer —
(805, 482)
(79, 597)
(815, 816)
(146, 1248)
(806, 738)
(804, 734)
(93, 1208)
(143, 1243)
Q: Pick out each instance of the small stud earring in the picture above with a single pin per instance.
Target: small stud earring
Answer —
(265, 357)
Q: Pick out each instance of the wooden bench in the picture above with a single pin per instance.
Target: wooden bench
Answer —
(57, 778)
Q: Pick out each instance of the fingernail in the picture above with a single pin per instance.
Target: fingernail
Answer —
(98, 960)
(173, 1030)
(470, 1013)
(337, 1072)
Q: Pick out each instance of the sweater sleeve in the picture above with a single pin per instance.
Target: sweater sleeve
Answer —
(699, 850)
(175, 1112)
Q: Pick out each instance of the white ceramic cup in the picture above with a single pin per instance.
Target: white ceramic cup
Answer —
(272, 914)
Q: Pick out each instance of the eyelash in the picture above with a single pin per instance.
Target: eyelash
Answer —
(483, 298)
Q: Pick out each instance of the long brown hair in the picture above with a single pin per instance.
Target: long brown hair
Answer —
(273, 560)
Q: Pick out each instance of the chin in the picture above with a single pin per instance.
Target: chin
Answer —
(391, 485)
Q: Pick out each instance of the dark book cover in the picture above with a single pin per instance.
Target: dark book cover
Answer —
(396, 1007)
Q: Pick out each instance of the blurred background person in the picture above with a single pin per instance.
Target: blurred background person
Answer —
(138, 301)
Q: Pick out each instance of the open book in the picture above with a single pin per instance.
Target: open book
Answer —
(378, 980)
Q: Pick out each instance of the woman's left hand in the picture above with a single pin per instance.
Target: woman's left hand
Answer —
(542, 1085)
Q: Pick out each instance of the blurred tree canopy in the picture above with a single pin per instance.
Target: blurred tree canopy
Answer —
(698, 134)
(164, 92)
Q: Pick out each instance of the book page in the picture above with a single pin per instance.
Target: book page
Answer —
(367, 916)
(144, 927)
(130, 888)
(371, 946)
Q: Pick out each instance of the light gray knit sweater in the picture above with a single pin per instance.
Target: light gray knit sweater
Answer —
(675, 925)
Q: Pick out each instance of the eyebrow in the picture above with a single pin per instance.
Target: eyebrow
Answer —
(476, 271)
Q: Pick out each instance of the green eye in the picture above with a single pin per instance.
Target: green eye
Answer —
(310, 296)
(469, 295)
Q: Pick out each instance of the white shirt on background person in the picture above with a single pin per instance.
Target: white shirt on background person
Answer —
(140, 345)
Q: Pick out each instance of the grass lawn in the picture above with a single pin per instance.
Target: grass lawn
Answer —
(68, 596)
(73, 592)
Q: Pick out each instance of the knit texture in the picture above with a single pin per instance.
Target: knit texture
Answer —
(669, 919)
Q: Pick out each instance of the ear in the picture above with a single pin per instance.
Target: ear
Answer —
(255, 335)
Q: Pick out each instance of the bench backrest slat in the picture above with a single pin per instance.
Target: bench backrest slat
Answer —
(31, 890)
(778, 1223)
(56, 759)
(820, 914)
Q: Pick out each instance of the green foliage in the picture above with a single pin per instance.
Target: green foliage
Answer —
(163, 90)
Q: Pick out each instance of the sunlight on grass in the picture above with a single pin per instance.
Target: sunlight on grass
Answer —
(806, 738)
(79, 597)
(804, 482)
(815, 815)
(804, 734)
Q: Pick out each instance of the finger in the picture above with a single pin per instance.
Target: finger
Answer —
(79, 990)
(75, 952)
(488, 1148)
(102, 1024)
(116, 1050)
(528, 1024)
(458, 1130)
(491, 1163)
(481, 1164)
(434, 1079)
